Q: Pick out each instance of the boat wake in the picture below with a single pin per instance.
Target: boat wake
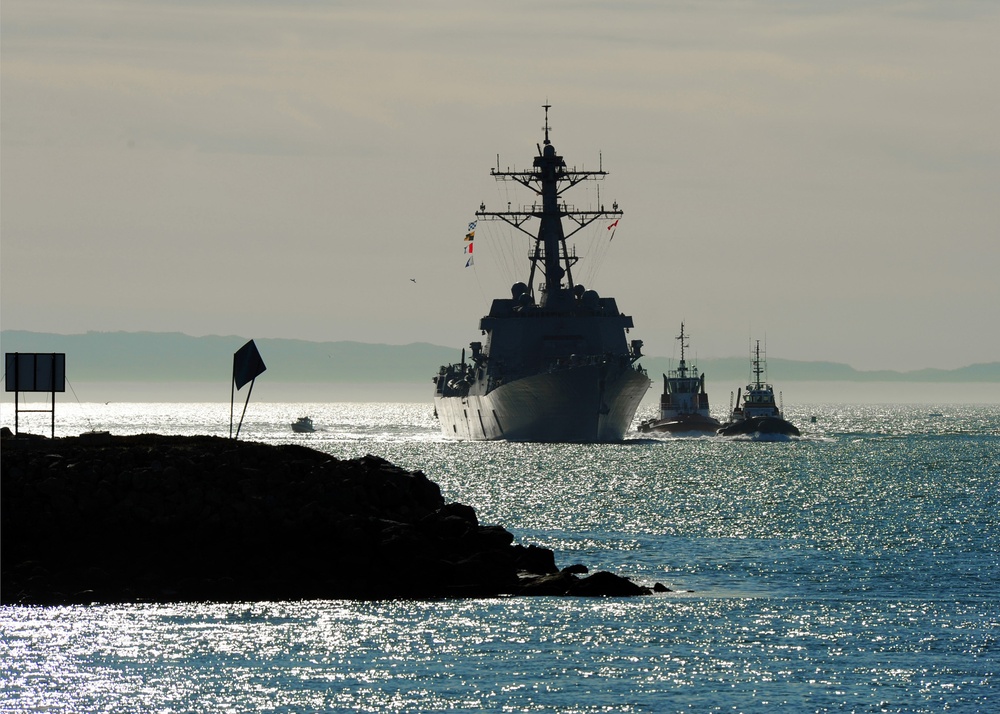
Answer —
(816, 438)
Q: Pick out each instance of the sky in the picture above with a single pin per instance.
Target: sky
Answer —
(822, 176)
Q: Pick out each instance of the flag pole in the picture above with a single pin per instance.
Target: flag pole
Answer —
(232, 399)
(249, 391)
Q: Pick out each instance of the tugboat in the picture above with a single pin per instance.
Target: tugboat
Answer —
(555, 365)
(684, 402)
(757, 413)
(303, 425)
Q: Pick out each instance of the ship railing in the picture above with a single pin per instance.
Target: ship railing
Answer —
(561, 363)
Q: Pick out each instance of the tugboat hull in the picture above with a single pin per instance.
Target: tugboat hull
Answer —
(760, 425)
(582, 404)
(682, 424)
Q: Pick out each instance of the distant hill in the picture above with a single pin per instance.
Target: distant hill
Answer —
(784, 370)
(172, 356)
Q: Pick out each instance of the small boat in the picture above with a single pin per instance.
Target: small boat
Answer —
(684, 402)
(303, 425)
(757, 413)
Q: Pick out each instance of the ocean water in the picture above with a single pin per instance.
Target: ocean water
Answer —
(854, 569)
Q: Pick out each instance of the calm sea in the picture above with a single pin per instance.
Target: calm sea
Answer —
(854, 569)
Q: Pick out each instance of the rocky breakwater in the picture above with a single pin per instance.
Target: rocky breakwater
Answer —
(101, 518)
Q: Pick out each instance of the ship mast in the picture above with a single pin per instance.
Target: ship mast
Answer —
(682, 369)
(757, 369)
(548, 179)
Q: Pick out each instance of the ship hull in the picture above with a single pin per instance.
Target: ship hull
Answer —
(582, 404)
(760, 425)
(682, 424)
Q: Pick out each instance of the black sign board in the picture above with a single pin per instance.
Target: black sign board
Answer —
(35, 372)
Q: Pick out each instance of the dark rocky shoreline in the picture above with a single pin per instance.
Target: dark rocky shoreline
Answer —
(150, 518)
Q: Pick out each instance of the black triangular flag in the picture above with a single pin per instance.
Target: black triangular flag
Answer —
(247, 364)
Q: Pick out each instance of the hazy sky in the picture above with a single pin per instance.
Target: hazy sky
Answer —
(822, 174)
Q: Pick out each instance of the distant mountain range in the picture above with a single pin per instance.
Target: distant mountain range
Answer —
(172, 356)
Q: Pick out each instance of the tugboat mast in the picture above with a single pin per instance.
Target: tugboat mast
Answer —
(548, 173)
(682, 368)
(757, 369)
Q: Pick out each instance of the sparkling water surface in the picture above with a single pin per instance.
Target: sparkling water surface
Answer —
(854, 569)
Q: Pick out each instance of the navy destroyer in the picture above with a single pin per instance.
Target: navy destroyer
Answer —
(555, 365)
(684, 402)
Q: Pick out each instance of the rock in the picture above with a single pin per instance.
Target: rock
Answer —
(460, 510)
(551, 584)
(565, 582)
(168, 518)
(605, 584)
(533, 559)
